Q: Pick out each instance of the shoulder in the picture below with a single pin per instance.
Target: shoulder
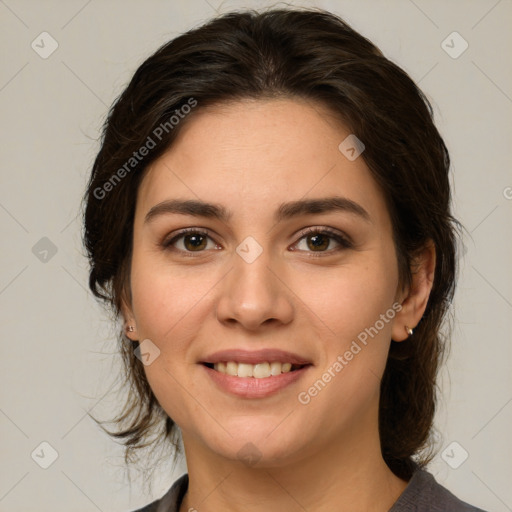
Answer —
(422, 494)
(425, 494)
(171, 500)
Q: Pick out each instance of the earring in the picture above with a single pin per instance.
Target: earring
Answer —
(408, 330)
(130, 328)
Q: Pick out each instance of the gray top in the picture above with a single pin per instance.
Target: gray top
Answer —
(422, 494)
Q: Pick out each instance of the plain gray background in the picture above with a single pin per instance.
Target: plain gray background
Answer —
(58, 347)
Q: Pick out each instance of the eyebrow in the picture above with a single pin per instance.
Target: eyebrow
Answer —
(321, 205)
(285, 211)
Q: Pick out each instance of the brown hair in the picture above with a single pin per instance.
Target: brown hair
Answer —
(302, 53)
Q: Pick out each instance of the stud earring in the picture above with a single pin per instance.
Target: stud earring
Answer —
(409, 331)
(130, 328)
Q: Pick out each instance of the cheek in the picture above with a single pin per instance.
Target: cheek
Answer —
(168, 306)
(350, 298)
(166, 298)
(355, 303)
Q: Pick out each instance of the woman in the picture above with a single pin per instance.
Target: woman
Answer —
(269, 214)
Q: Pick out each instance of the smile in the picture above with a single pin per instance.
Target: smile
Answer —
(258, 371)
(246, 380)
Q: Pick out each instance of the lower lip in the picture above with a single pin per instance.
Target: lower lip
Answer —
(250, 387)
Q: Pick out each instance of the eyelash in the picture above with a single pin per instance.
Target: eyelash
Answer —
(343, 241)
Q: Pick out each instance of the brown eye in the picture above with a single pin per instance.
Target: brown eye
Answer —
(190, 241)
(322, 241)
(318, 242)
(195, 242)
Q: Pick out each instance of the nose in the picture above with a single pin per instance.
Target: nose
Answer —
(253, 296)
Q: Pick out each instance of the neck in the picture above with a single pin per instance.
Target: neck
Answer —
(345, 477)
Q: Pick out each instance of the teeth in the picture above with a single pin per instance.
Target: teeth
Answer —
(261, 370)
(275, 368)
(258, 371)
(244, 370)
(231, 368)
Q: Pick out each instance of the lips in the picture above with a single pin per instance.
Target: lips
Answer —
(255, 357)
(250, 387)
(254, 374)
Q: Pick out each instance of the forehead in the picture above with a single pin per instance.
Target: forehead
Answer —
(255, 154)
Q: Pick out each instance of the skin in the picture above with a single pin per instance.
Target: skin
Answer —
(251, 156)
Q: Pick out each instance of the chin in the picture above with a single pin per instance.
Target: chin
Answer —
(263, 443)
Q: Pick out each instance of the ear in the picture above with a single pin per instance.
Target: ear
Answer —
(414, 299)
(129, 324)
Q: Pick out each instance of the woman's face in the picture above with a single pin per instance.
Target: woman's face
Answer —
(293, 263)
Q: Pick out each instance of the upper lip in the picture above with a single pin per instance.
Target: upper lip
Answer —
(255, 356)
